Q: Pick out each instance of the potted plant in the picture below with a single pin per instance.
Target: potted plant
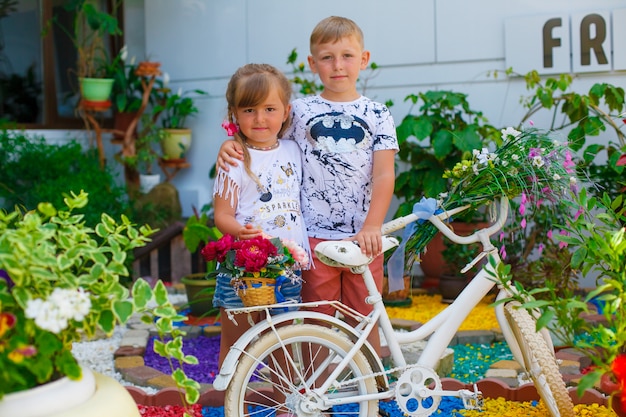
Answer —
(60, 282)
(199, 230)
(452, 280)
(89, 33)
(597, 240)
(173, 110)
(127, 93)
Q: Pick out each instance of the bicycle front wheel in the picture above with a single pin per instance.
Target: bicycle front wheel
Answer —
(539, 361)
(280, 371)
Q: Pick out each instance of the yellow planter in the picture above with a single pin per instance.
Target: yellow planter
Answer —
(94, 395)
(175, 143)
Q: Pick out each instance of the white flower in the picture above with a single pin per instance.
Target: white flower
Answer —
(538, 161)
(509, 132)
(124, 53)
(515, 157)
(556, 177)
(573, 180)
(180, 92)
(166, 79)
(475, 169)
(61, 306)
(46, 316)
(484, 156)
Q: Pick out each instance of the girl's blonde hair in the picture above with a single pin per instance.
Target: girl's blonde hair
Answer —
(333, 29)
(248, 87)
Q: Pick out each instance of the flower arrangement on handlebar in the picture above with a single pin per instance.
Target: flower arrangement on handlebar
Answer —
(532, 165)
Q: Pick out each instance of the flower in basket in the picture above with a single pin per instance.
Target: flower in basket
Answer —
(260, 257)
(62, 281)
(531, 165)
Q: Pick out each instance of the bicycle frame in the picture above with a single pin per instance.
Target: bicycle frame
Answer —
(441, 328)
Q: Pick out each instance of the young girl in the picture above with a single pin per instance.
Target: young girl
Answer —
(262, 195)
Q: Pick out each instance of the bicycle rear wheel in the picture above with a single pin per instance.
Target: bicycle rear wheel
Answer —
(539, 361)
(279, 371)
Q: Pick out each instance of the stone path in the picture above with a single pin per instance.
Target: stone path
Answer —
(503, 379)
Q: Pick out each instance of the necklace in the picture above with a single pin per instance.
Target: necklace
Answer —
(262, 148)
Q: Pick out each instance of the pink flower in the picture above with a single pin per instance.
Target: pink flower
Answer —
(540, 247)
(534, 153)
(563, 244)
(231, 128)
(549, 234)
(523, 224)
(503, 252)
(568, 164)
(253, 254)
(297, 252)
(578, 213)
(218, 249)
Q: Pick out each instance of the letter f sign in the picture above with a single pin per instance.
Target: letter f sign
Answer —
(549, 42)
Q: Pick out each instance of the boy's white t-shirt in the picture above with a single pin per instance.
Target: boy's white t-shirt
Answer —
(275, 205)
(338, 141)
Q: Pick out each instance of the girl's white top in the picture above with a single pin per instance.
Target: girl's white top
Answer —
(274, 205)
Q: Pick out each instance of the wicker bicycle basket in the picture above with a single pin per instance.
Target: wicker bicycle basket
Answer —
(256, 291)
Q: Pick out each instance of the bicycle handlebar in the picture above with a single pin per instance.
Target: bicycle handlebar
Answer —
(438, 221)
(345, 253)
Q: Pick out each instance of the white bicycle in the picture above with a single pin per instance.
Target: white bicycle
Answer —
(282, 364)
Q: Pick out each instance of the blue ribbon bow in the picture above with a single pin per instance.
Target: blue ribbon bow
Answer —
(395, 265)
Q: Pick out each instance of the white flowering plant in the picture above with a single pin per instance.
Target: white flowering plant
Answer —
(532, 166)
(60, 283)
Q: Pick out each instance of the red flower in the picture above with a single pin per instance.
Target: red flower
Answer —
(253, 254)
(218, 249)
(619, 369)
(7, 321)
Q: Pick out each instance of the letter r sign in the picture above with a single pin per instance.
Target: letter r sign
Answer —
(542, 43)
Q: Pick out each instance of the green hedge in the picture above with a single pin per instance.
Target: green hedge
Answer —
(33, 171)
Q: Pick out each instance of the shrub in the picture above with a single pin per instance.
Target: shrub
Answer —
(34, 171)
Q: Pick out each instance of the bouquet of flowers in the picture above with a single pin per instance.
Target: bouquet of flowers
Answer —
(262, 263)
(531, 165)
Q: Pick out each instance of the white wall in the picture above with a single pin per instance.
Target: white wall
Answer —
(418, 44)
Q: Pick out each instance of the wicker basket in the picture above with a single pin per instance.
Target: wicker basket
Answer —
(256, 291)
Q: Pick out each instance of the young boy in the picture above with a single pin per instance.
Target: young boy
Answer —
(348, 144)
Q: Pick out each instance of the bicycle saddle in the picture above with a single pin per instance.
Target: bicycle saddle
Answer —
(347, 254)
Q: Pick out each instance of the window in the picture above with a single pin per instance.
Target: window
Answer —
(38, 83)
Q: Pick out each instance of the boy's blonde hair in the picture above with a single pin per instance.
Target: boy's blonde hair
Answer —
(249, 86)
(333, 29)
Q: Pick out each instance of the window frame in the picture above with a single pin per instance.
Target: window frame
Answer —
(51, 117)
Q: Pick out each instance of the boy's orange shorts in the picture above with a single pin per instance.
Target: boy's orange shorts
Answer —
(323, 282)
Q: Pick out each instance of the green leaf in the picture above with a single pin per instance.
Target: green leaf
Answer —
(142, 293)
(160, 294)
(544, 319)
(123, 310)
(159, 348)
(107, 321)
